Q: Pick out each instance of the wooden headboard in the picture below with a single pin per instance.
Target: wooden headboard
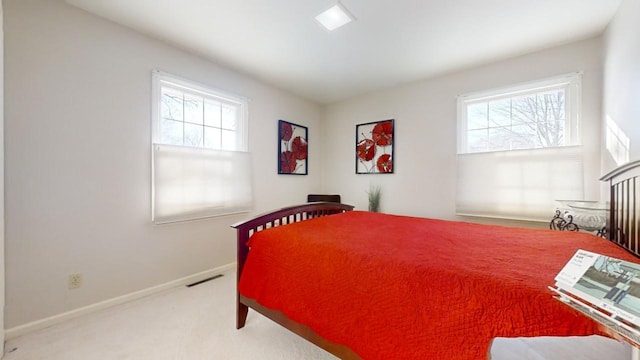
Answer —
(624, 216)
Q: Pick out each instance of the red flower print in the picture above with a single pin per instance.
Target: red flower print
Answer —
(366, 149)
(299, 148)
(287, 162)
(382, 134)
(384, 163)
(286, 131)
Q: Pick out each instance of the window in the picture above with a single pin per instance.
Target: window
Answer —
(201, 166)
(518, 149)
(531, 116)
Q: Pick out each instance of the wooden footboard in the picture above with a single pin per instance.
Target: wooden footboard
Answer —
(624, 201)
(275, 218)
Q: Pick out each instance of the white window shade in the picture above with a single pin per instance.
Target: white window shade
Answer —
(519, 184)
(192, 183)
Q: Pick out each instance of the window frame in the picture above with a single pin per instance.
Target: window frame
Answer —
(241, 150)
(499, 183)
(571, 83)
(159, 78)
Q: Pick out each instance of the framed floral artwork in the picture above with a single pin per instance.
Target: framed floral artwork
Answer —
(292, 148)
(374, 147)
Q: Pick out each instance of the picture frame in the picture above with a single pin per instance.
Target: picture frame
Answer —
(293, 148)
(374, 147)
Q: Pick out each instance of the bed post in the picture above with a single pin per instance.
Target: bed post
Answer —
(243, 251)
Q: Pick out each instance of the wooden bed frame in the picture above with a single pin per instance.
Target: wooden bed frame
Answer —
(624, 198)
(280, 217)
(623, 230)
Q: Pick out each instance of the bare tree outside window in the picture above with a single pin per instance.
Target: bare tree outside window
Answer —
(535, 120)
(192, 120)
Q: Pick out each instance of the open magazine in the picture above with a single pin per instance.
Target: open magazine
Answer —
(604, 288)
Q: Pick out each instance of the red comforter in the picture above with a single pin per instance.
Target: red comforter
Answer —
(395, 287)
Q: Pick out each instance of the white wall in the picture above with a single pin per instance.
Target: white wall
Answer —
(77, 103)
(425, 129)
(622, 77)
(2, 281)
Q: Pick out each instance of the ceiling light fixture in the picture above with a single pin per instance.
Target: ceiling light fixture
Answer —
(335, 17)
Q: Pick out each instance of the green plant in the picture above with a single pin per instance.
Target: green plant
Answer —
(374, 197)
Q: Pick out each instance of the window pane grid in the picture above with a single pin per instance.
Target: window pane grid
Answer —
(191, 119)
(526, 121)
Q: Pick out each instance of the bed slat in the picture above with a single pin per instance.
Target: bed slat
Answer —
(623, 226)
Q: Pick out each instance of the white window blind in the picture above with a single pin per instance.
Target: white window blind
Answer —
(521, 185)
(200, 164)
(193, 183)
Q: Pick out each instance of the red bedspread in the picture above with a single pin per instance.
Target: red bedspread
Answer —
(394, 287)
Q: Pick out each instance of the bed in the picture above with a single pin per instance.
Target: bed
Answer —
(376, 286)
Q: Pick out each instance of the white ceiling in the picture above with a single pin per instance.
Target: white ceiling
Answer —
(391, 42)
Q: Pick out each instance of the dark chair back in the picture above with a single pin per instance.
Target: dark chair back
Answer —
(322, 197)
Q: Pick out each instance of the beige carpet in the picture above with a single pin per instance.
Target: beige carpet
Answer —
(182, 323)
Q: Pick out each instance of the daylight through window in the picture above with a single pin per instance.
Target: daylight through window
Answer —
(198, 120)
(537, 115)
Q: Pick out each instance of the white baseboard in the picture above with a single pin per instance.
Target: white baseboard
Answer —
(56, 319)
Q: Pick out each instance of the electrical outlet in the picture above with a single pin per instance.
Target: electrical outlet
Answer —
(75, 281)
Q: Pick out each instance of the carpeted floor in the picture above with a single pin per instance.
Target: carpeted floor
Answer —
(183, 323)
